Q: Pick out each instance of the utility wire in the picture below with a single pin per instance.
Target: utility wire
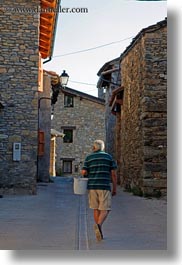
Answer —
(93, 48)
(88, 84)
(86, 91)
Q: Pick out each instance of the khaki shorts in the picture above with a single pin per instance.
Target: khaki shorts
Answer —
(99, 199)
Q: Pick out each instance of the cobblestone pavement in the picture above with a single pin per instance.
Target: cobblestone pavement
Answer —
(57, 219)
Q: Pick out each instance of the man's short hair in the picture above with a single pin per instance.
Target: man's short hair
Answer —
(99, 144)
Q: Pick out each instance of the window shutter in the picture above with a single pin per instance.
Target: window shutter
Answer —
(41, 143)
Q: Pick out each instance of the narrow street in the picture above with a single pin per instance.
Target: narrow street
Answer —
(57, 219)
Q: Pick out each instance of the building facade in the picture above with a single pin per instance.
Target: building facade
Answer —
(26, 38)
(80, 117)
(143, 112)
(139, 105)
(109, 79)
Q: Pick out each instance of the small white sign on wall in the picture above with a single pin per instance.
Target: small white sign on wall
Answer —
(16, 151)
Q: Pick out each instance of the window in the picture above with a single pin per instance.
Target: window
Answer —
(68, 138)
(68, 101)
(67, 166)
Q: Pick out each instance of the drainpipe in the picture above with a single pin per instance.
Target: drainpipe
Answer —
(50, 58)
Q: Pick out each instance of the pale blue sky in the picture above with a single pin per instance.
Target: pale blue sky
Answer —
(106, 21)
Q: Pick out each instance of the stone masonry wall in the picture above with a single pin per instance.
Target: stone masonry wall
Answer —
(154, 113)
(89, 120)
(118, 144)
(144, 114)
(18, 88)
(132, 72)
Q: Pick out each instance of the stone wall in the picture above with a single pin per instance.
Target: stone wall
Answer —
(154, 109)
(45, 127)
(18, 87)
(87, 119)
(144, 114)
(110, 124)
(132, 74)
(118, 143)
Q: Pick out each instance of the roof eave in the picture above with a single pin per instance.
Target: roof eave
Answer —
(48, 25)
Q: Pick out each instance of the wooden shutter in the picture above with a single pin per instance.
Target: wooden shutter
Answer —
(41, 143)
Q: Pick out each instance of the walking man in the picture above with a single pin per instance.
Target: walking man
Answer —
(100, 168)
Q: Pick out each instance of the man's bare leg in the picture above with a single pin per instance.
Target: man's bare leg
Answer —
(102, 217)
(96, 215)
(99, 217)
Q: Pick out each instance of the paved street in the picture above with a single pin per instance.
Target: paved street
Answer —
(57, 219)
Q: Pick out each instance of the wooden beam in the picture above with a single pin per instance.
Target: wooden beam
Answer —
(46, 35)
(46, 3)
(45, 21)
(43, 42)
(45, 29)
(48, 16)
(44, 47)
(119, 101)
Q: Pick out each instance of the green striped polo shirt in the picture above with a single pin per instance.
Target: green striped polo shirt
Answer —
(99, 165)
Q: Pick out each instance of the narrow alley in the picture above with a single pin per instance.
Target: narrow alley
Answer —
(58, 219)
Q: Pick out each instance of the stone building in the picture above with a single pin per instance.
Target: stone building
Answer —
(144, 111)
(140, 108)
(27, 37)
(80, 117)
(109, 79)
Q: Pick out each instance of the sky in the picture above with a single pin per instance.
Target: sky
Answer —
(110, 24)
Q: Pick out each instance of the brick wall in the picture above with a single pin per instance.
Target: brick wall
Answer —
(18, 87)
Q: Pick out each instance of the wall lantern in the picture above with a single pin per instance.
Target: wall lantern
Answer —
(64, 77)
(58, 83)
(56, 87)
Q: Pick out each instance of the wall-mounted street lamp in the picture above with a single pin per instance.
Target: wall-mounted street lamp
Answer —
(64, 77)
(57, 83)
